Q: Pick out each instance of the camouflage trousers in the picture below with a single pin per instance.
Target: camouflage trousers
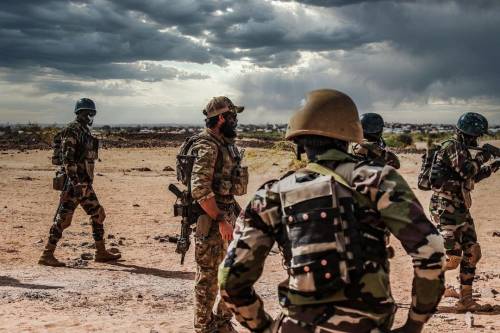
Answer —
(456, 225)
(336, 318)
(210, 250)
(68, 203)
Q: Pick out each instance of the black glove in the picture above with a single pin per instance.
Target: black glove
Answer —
(495, 165)
(483, 156)
(411, 326)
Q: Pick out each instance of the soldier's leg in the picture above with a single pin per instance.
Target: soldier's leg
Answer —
(449, 218)
(93, 208)
(472, 254)
(206, 256)
(62, 220)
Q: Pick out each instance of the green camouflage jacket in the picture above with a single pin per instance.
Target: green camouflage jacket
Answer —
(216, 169)
(460, 171)
(79, 152)
(387, 203)
(374, 151)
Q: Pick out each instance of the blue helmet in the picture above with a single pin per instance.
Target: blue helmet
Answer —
(473, 124)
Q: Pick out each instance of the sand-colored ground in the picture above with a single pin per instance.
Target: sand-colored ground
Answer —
(149, 291)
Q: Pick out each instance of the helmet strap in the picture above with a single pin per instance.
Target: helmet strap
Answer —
(299, 150)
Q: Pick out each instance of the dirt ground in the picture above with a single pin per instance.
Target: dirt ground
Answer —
(149, 291)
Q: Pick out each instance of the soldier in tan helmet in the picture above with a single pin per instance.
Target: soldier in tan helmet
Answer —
(329, 220)
(217, 176)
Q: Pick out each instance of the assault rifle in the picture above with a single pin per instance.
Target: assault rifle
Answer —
(189, 211)
(494, 151)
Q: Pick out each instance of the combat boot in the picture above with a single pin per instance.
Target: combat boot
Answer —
(48, 258)
(467, 303)
(102, 255)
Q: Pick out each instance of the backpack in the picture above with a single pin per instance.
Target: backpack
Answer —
(57, 158)
(185, 160)
(430, 171)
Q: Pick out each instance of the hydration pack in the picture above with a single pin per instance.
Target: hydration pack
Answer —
(57, 158)
(330, 247)
(185, 159)
(431, 173)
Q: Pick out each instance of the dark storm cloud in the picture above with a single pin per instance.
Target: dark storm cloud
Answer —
(381, 50)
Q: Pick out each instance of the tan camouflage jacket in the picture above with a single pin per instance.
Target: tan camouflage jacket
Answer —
(374, 151)
(461, 169)
(79, 152)
(388, 204)
(214, 175)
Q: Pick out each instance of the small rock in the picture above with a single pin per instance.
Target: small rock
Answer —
(496, 234)
(120, 242)
(87, 256)
(168, 168)
(469, 320)
(487, 293)
(139, 296)
(143, 169)
(40, 241)
(5, 207)
(99, 174)
(122, 238)
(18, 227)
(111, 236)
(136, 205)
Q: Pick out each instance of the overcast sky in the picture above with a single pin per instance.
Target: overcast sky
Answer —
(160, 61)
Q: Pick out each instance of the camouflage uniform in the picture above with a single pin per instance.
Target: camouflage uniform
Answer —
(450, 205)
(213, 175)
(377, 152)
(382, 200)
(79, 152)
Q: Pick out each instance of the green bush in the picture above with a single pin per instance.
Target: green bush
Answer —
(402, 140)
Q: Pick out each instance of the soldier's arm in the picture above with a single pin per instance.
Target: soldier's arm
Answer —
(404, 216)
(244, 263)
(483, 173)
(203, 170)
(392, 160)
(69, 150)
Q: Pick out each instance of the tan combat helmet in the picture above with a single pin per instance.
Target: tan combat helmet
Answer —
(219, 105)
(329, 113)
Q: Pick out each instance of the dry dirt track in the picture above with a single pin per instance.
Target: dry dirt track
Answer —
(149, 291)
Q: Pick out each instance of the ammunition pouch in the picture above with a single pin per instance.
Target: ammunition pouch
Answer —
(239, 180)
(59, 180)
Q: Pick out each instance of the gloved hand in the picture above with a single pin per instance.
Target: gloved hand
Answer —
(410, 326)
(483, 156)
(495, 165)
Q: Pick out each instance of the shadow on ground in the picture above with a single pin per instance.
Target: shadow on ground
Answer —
(7, 281)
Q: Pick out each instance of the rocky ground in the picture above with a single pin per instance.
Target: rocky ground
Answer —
(149, 291)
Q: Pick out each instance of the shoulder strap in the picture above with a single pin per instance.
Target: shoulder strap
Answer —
(322, 170)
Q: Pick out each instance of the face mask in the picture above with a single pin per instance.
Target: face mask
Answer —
(90, 118)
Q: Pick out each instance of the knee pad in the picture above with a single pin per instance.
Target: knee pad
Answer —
(452, 262)
(474, 254)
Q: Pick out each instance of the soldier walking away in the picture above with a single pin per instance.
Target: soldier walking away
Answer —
(75, 152)
(373, 146)
(454, 172)
(217, 177)
(329, 220)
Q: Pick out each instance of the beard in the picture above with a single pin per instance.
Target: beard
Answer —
(228, 130)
